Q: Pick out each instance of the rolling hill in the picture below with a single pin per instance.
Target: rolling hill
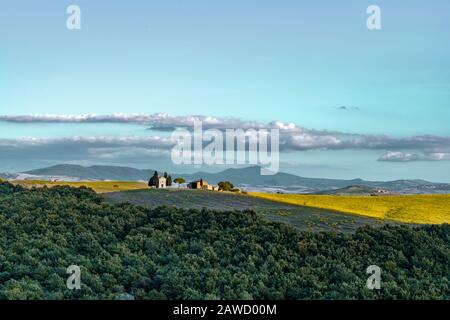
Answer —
(351, 191)
(419, 209)
(94, 172)
(248, 178)
(334, 210)
(301, 217)
(129, 252)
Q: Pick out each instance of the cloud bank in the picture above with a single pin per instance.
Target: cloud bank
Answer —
(398, 156)
(155, 121)
(292, 137)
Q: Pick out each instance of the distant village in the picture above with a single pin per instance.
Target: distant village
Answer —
(164, 181)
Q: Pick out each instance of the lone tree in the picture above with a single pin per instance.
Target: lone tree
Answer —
(153, 182)
(168, 179)
(226, 186)
(179, 181)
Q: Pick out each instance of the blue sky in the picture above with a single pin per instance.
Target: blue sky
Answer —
(291, 61)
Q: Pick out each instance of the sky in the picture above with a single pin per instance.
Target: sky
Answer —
(313, 64)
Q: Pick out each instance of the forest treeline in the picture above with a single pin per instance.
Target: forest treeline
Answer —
(126, 251)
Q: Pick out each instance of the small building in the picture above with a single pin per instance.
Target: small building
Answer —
(162, 183)
(381, 192)
(198, 184)
(211, 188)
(202, 185)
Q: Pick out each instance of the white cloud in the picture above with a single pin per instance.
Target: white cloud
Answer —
(113, 141)
(398, 156)
(292, 136)
(157, 120)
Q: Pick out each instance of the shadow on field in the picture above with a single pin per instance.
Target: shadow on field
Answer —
(303, 218)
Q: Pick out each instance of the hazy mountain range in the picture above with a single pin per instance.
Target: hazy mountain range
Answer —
(248, 178)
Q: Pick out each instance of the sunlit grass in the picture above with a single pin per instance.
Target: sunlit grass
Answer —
(420, 209)
(97, 186)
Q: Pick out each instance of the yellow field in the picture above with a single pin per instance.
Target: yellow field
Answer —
(98, 186)
(420, 209)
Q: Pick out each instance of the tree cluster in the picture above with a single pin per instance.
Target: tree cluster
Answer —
(227, 186)
(167, 253)
(154, 180)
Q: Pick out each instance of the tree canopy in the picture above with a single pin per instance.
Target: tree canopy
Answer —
(127, 251)
(154, 180)
(225, 186)
(179, 180)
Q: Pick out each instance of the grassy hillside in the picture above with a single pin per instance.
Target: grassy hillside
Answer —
(97, 186)
(420, 209)
(248, 177)
(331, 211)
(303, 218)
(127, 251)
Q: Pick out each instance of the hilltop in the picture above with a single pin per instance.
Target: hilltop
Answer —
(301, 217)
(248, 178)
(341, 210)
(351, 191)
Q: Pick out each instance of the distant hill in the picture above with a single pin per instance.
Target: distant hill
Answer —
(249, 178)
(94, 172)
(350, 191)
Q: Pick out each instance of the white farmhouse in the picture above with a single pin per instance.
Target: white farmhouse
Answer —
(162, 183)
